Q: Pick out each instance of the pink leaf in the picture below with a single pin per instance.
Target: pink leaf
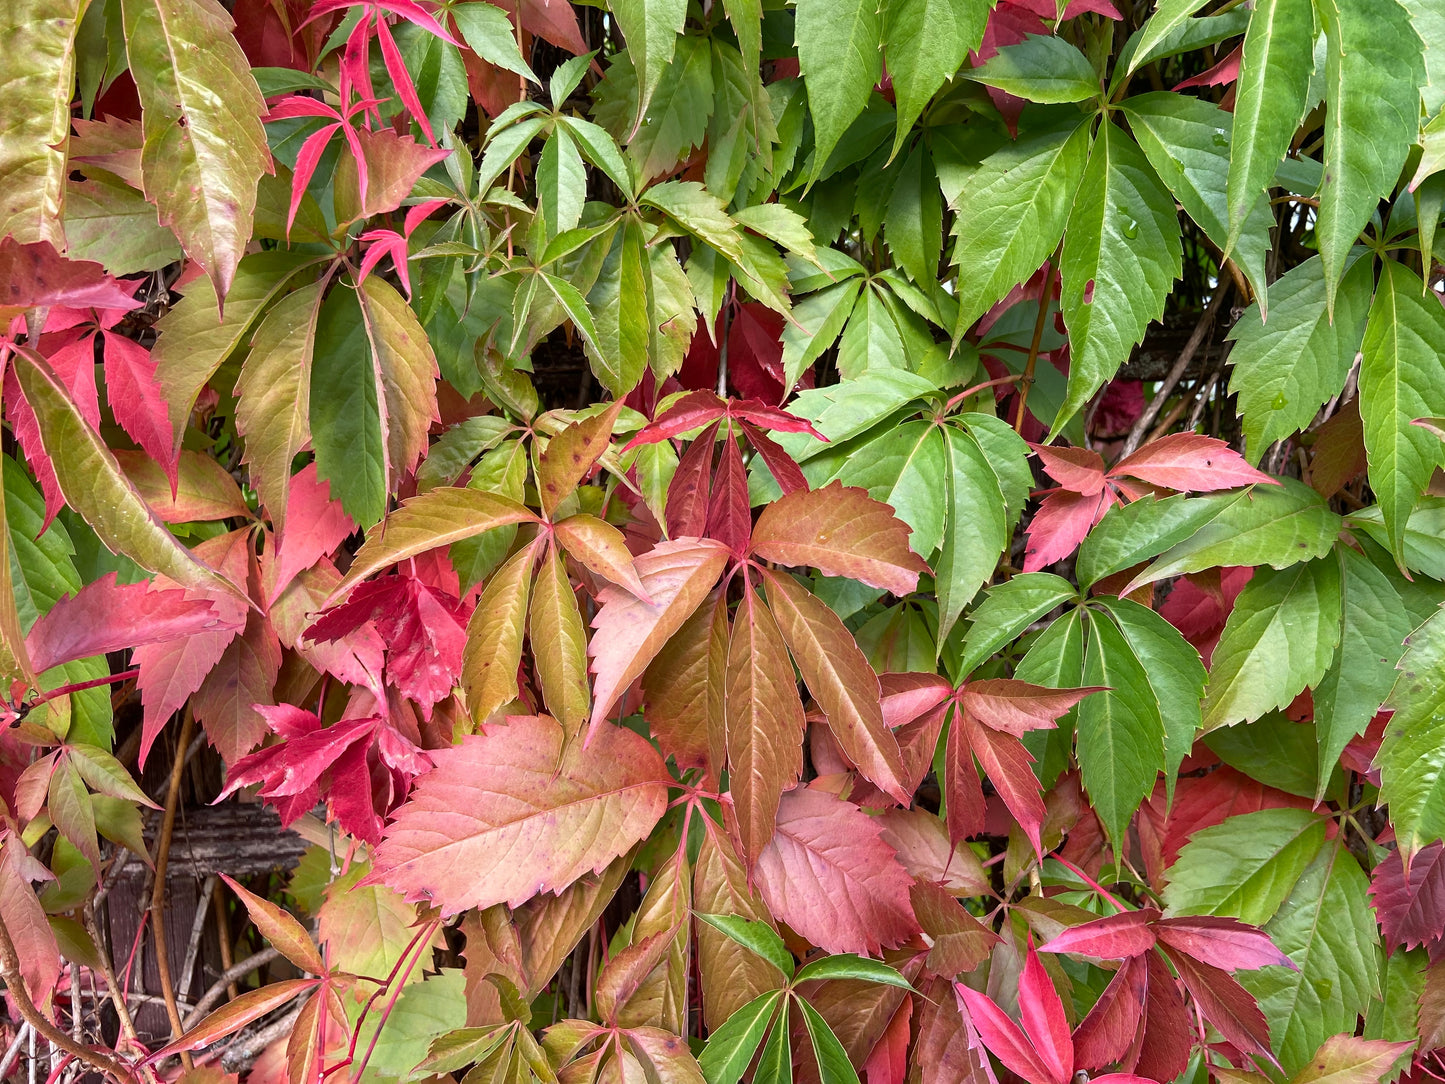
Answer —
(1223, 73)
(828, 874)
(1060, 524)
(1016, 707)
(35, 275)
(138, 402)
(693, 411)
(105, 616)
(1189, 461)
(1116, 937)
(241, 682)
(315, 526)
(1223, 942)
(1076, 469)
(517, 811)
(1105, 1034)
(1003, 1037)
(1042, 1013)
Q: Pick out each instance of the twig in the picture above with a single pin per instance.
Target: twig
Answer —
(117, 996)
(158, 891)
(1175, 374)
(15, 984)
(198, 927)
(12, 1054)
(225, 979)
(1027, 381)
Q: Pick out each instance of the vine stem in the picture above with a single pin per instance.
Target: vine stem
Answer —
(1027, 381)
(158, 891)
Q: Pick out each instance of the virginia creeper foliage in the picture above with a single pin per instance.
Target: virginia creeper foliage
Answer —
(818, 541)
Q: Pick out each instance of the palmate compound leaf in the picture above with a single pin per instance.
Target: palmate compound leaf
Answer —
(205, 149)
(830, 876)
(510, 813)
(1121, 254)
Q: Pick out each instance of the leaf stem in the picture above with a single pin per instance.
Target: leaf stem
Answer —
(1027, 380)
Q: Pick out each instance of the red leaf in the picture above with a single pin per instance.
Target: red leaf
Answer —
(677, 576)
(555, 21)
(1411, 910)
(1116, 937)
(964, 805)
(687, 492)
(1161, 1048)
(828, 874)
(841, 531)
(755, 353)
(907, 697)
(923, 847)
(238, 685)
(35, 275)
(888, 1061)
(1189, 461)
(772, 418)
(1225, 72)
(1076, 469)
(138, 402)
(1003, 1037)
(1225, 1004)
(1104, 1036)
(1008, 766)
(106, 616)
(1060, 524)
(511, 813)
(25, 921)
(392, 163)
(729, 517)
(1223, 942)
(691, 411)
(785, 470)
(424, 631)
(1016, 707)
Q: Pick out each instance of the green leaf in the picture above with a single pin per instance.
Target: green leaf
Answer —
(1246, 866)
(1287, 368)
(651, 28)
(345, 414)
(1134, 532)
(204, 149)
(775, 1065)
(1328, 930)
(1429, 23)
(1274, 76)
(1412, 756)
(926, 42)
(94, 485)
(914, 222)
(1121, 254)
(1007, 610)
(1174, 672)
(1402, 377)
(561, 183)
(845, 965)
(41, 569)
(757, 937)
(599, 148)
(1055, 660)
(1120, 730)
(977, 533)
(504, 144)
(1373, 627)
(699, 212)
(1373, 73)
(839, 57)
(1263, 525)
(681, 106)
(1187, 142)
(872, 339)
(422, 1013)
(195, 338)
(902, 468)
(1168, 15)
(833, 1064)
(488, 33)
(1042, 68)
(1012, 213)
(1275, 750)
(1423, 536)
(730, 1048)
(1278, 641)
